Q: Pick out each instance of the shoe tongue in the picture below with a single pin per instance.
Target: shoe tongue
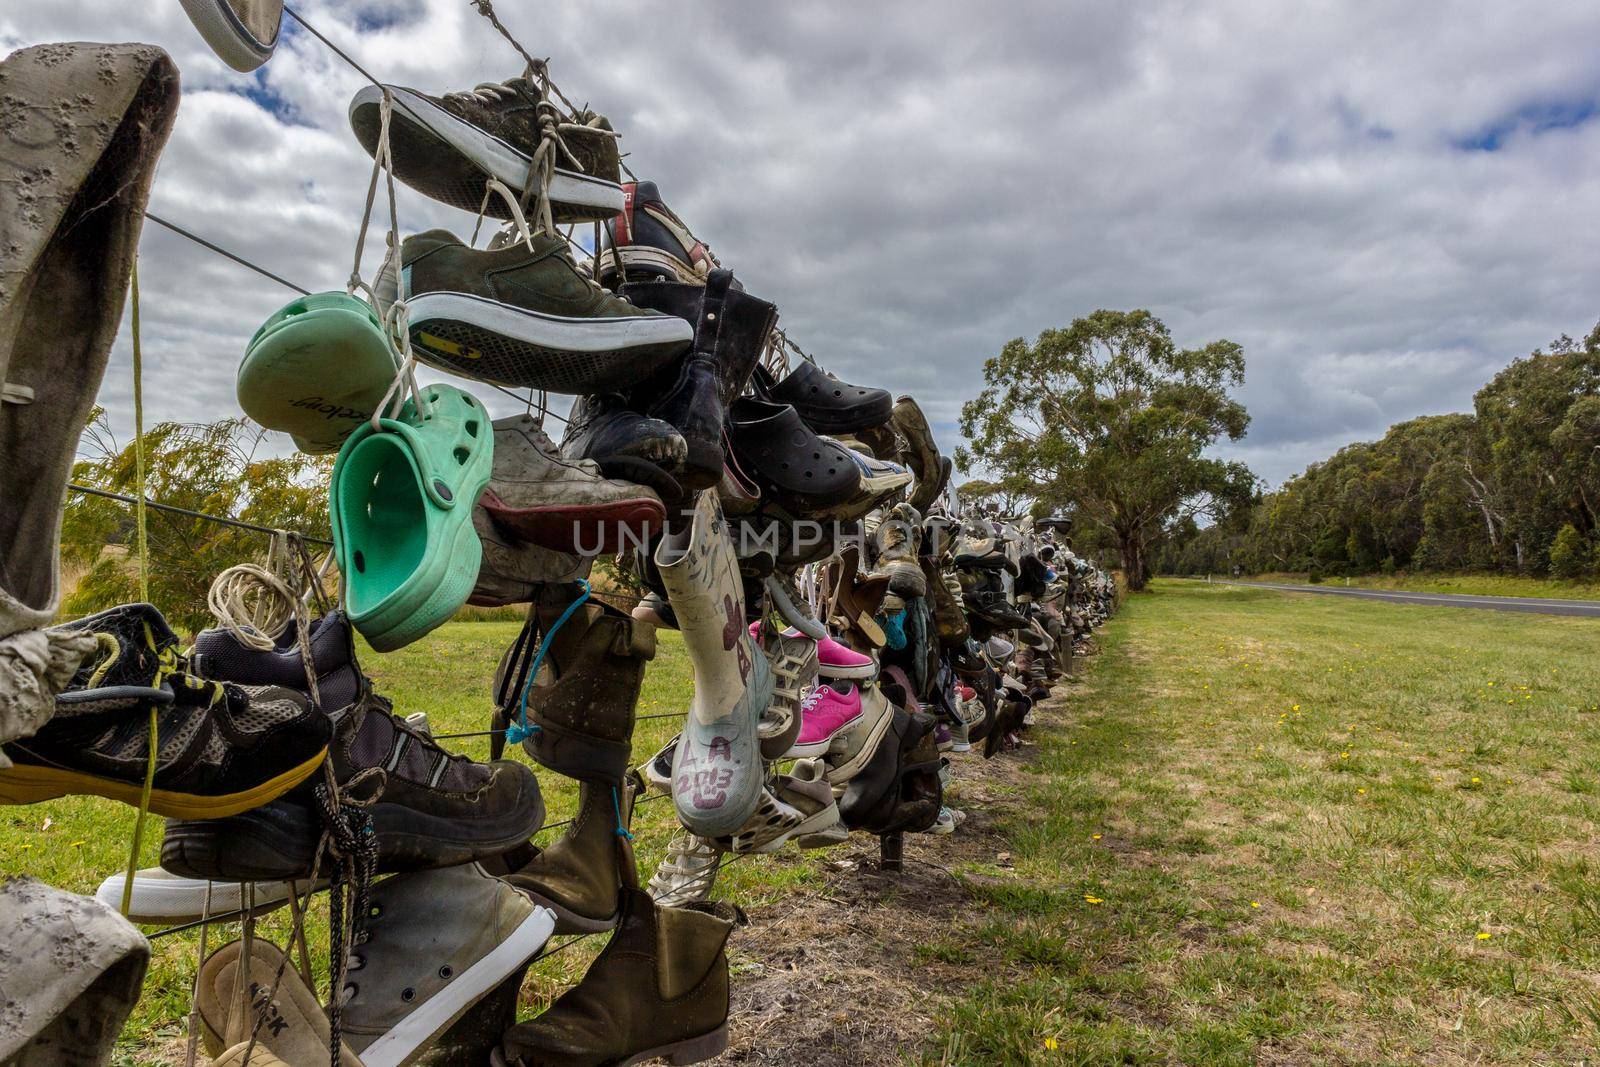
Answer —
(381, 742)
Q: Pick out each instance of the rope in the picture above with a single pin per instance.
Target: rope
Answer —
(520, 730)
(252, 604)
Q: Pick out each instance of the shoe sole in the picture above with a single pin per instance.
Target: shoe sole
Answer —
(693, 1050)
(401, 1045)
(875, 731)
(585, 529)
(419, 128)
(867, 672)
(820, 748)
(24, 784)
(825, 819)
(568, 921)
(506, 345)
(641, 261)
(160, 901)
(228, 37)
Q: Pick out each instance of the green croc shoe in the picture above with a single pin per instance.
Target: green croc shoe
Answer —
(401, 502)
(316, 370)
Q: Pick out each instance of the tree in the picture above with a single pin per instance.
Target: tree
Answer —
(214, 469)
(1008, 500)
(1110, 417)
(1569, 553)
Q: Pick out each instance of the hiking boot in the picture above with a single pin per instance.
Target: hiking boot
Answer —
(515, 571)
(582, 718)
(219, 654)
(717, 772)
(243, 33)
(687, 873)
(221, 749)
(659, 989)
(893, 544)
(625, 444)
(524, 315)
(810, 474)
(447, 147)
(416, 967)
(922, 454)
(826, 713)
(562, 504)
(653, 243)
(579, 875)
(731, 329)
(825, 403)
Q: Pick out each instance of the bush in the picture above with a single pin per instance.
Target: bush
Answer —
(1570, 554)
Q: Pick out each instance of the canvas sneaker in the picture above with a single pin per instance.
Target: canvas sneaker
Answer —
(523, 315)
(653, 243)
(825, 714)
(242, 32)
(163, 898)
(447, 146)
(220, 748)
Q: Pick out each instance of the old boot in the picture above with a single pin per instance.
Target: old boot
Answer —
(717, 772)
(658, 990)
(578, 877)
(582, 721)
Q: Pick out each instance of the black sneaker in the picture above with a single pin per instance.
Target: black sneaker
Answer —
(447, 146)
(221, 749)
(429, 808)
(653, 243)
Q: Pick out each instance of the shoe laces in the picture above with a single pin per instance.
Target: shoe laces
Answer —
(812, 699)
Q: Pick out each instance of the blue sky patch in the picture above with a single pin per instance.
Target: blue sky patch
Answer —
(1533, 119)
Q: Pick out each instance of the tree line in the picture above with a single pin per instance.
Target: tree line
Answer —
(1512, 486)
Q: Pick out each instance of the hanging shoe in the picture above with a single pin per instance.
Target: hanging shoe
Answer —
(717, 773)
(882, 485)
(515, 571)
(401, 501)
(807, 473)
(161, 898)
(687, 873)
(626, 445)
(805, 788)
(899, 790)
(836, 661)
(447, 147)
(230, 994)
(944, 598)
(768, 827)
(316, 370)
(653, 243)
(523, 315)
(242, 32)
(856, 600)
(922, 454)
(579, 875)
(825, 403)
(731, 329)
(417, 967)
(78, 170)
(793, 656)
(893, 544)
(853, 748)
(220, 748)
(561, 504)
(826, 713)
(657, 770)
(658, 990)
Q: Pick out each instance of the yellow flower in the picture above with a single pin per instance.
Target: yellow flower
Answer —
(1360, 790)
(1344, 755)
(1491, 685)
(1255, 903)
(1484, 935)
(1094, 837)
(1295, 708)
(1087, 899)
(1476, 780)
(1051, 1043)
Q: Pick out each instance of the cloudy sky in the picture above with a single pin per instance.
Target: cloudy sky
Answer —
(1383, 203)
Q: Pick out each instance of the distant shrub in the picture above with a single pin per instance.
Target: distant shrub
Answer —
(1570, 555)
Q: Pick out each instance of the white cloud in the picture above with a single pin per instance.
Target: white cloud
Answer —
(916, 184)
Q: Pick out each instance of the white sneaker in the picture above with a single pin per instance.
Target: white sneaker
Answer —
(164, 899)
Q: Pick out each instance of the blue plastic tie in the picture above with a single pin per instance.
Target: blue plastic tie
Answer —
(616, 802)
(520, 730)
(894, 630)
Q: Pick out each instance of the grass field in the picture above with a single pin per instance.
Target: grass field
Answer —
(1265, 828)
(1468, 584)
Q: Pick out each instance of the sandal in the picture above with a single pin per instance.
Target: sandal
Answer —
(401, 500)
(856, 600)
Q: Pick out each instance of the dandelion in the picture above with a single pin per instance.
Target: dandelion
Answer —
(1360, 791)
(1476, 780)
(1255, 903)
(1087, 899)
(1051, 1044)
(1345, 754)
(1484, 935)
(1295, 708)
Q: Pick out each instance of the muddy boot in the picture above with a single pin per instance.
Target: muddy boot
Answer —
(717, 773)
(658, 990)
(578, 877)
(583, 721)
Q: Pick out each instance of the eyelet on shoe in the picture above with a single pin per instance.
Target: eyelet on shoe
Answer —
(375, 911)
(447, 972)
(408, 994)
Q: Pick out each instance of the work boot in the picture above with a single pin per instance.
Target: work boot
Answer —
(731, 329)
(658, 990)
(949, 620)
(921, 455)
(625, 444)
(579, 875)
(893, 544)
(582, 719)
(717, 772)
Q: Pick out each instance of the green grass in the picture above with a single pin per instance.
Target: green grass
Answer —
(1468, 584)
(1295, 817)
(1313, 831)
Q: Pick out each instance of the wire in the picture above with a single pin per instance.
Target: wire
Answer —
(240, 523)
(203, 243)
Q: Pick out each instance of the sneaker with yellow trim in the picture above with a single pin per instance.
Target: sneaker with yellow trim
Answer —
(220, 748)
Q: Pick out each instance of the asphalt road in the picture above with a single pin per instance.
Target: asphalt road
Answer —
(1535, 605)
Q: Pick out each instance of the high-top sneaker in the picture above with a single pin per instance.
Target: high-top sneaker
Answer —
(448, 146)
(659, 989)
(717, 772)
(582, 718)
(652, 242)
(731, 329)
(579, 875)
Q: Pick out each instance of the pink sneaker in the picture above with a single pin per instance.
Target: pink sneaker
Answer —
(834, 660)
(824, 714)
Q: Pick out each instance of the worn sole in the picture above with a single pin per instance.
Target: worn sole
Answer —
(22, 784)
(567, 920)
(693, 1050)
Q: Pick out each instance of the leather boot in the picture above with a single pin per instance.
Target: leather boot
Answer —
(658, 990)
(731, 332)
(584, 717)
(578, 877)
(625, 444)
(716, 772)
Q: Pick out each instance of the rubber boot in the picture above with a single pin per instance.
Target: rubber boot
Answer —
(716, 771)
(658, 990)
(578, 877)
(584, 718)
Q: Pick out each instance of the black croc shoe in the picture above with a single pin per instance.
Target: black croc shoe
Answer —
(774, 445)
(825, 403)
